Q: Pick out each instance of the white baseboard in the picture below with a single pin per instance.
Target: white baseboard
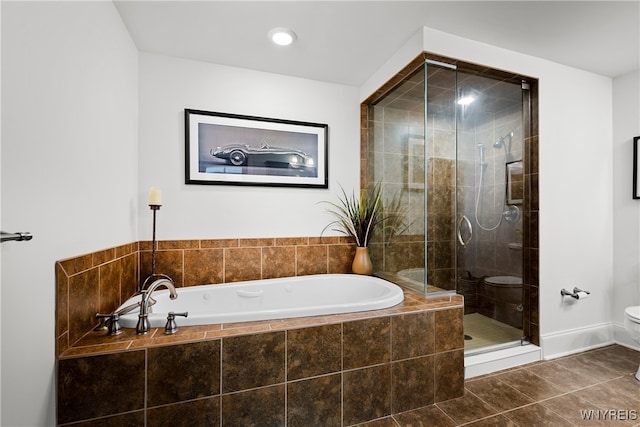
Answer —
(486, 363)
(576, 340)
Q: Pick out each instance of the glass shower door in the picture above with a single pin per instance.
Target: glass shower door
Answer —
(414, 158)
(489, 223)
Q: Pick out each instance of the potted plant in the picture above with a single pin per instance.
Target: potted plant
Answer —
(358, 216)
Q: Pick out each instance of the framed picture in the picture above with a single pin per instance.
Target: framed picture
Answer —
(231, 149)
(636, 153)
(515, 183)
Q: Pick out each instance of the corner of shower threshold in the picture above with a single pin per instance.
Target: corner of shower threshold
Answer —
(486, 362)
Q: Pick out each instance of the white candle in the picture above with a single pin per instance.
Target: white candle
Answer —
(155, 197)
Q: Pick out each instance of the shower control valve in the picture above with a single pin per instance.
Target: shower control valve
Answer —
(511, 213)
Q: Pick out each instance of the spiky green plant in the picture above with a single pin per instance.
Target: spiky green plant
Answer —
(357, 216)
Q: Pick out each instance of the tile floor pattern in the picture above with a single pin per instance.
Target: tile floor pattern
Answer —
(561, 392)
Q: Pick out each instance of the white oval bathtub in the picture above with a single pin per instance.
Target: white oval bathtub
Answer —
(282, 298)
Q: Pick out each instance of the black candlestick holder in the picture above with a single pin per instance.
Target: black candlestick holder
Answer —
(153, 276)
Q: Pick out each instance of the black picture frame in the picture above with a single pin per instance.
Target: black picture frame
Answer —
(636, 153)
(515, 182)
(232, 149)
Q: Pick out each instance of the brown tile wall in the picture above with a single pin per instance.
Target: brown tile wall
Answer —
(90, 284)
(99, 282)
(341, 374)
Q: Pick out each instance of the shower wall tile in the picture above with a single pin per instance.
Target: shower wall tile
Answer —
(403, 255)
(534, 298)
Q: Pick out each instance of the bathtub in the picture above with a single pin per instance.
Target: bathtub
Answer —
(283, 298)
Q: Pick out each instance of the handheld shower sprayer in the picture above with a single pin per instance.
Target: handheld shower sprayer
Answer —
(483, 161)
(509, 213)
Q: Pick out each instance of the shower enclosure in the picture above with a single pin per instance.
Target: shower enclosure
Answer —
(451, 144)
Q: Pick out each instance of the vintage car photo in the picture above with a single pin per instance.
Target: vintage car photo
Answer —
(222, 148)
(265, 155)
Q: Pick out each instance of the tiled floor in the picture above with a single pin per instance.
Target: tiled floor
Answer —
(599, 384)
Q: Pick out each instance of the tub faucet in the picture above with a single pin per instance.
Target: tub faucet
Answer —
(143, 322)
(110, 321)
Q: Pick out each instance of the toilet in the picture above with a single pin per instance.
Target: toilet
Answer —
(632, 323)
(505, 294)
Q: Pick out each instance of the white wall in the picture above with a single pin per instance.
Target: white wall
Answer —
(74, 174)
(169, 85)
(69, 173)
(576, 218)
(626, 255)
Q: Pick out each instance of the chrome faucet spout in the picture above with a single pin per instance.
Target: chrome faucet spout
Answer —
(143, 322)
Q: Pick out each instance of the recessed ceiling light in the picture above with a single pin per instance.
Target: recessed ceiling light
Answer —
(282, 36)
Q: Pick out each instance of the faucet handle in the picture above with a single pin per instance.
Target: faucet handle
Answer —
(113, 322)
(171, 327)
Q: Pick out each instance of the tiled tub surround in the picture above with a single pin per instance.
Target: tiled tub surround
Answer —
(342, 369)
(338, 370)
(101, 281)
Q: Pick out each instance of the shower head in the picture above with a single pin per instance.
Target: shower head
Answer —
(500, 143)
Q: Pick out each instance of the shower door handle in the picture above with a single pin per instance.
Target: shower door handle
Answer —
(464, 221)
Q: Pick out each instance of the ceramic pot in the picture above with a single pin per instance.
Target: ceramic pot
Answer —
(361, 261)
